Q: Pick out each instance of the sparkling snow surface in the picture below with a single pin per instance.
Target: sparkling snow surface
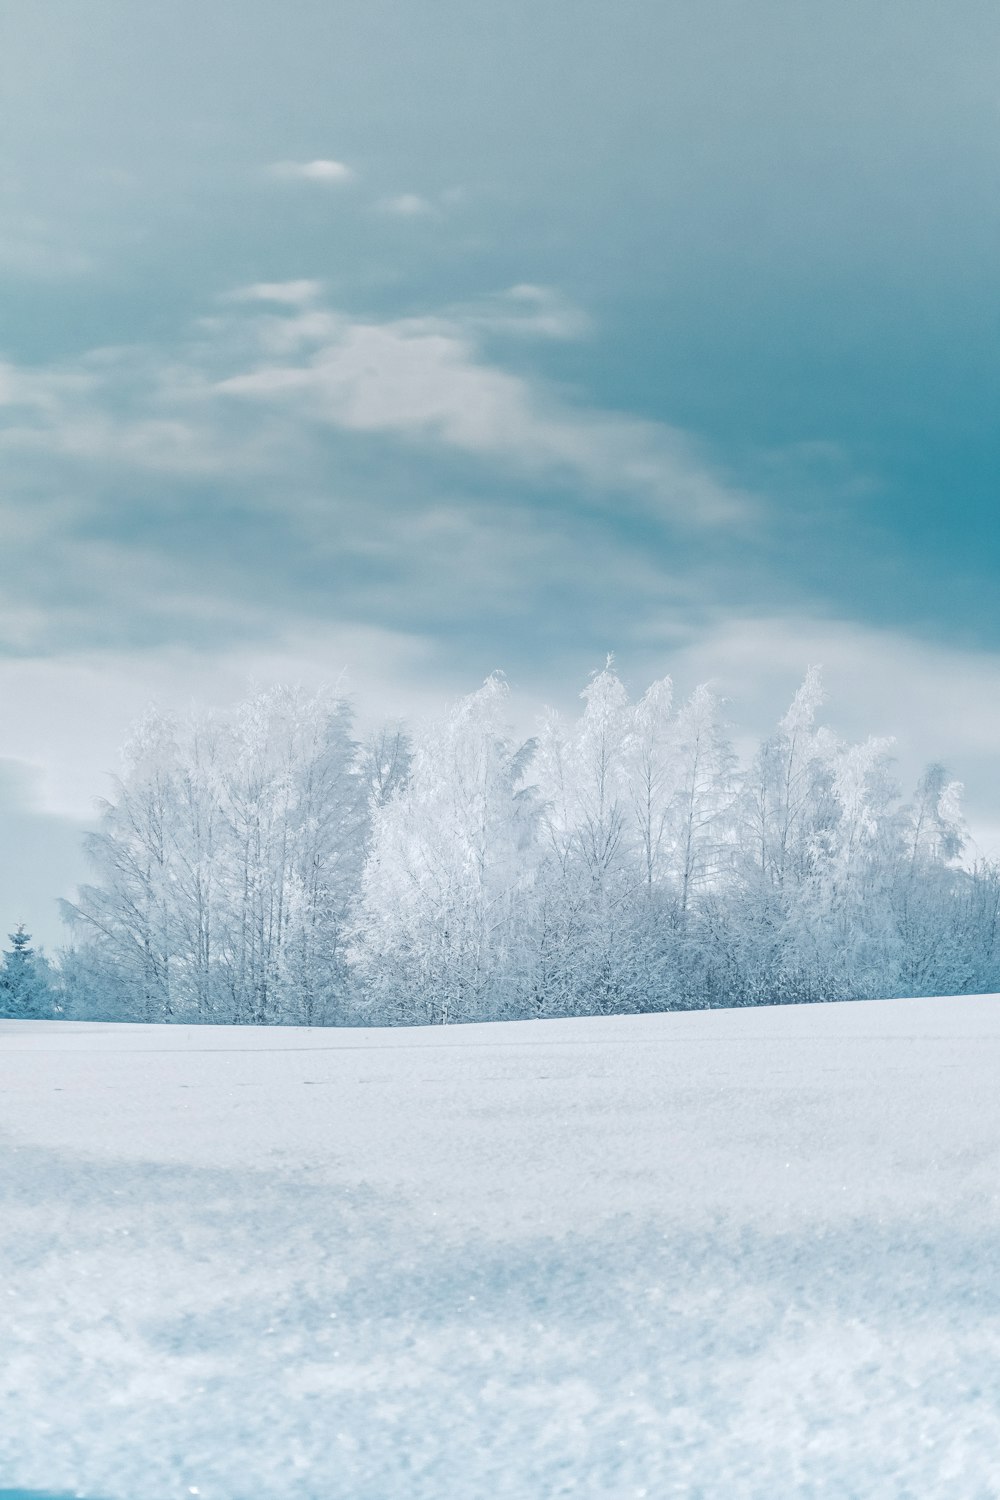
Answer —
(721, 1254)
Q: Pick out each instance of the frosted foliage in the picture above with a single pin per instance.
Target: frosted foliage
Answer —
(651, 774)
(703, 801)
(801, 715)
(452, 854)
(226, 864)
(856, 771)
(26, 990)
(263, 867)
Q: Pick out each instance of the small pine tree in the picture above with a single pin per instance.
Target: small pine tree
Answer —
(24, 985)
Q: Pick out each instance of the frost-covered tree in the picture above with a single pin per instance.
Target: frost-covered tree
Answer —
(385, 763)
(130, 910)
(788, 803)
(651, 777)
(839, 936)
(293, 817)
(439, 929)
(702, 807)
(926, 894)
(785, 813)
(637, 803)
(262, 867)
(700, 822)
(977, 916)
(26, 991)
(593, 861)
(226, 862)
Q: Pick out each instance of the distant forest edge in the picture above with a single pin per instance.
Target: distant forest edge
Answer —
(266, 867)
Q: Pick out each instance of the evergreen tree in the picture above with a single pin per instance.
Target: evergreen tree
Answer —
(25, 991)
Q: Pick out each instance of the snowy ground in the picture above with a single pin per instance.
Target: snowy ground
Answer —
(721, 1255)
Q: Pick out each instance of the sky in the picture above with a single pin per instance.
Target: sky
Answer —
(391, 345)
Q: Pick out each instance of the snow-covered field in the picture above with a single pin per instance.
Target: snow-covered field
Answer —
(721, 1254)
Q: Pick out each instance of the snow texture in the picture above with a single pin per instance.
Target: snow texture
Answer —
(730, 1253)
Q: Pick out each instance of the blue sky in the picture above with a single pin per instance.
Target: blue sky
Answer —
(411, 342)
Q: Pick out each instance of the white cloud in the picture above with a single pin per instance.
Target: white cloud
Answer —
(406, 206)
(524, 310)
(45, 389)
(424, 380)
(84, 434)
(120, 408)
(324, 170)
(303, 365)
(283, 293)
(30, 247)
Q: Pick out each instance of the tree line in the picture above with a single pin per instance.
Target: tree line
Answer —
(266, 867)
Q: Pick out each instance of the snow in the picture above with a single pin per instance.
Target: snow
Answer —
(725, 1253)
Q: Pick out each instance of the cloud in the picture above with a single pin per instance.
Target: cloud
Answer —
(406, 206)
(284, 293)
(256, 388)
(424, 380)
(286, 462)
(115, 409)
(324, 170)
(30, 247)
(524, 311)
(44, 390)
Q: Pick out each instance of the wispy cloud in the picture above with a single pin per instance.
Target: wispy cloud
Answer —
(304, 366)
(284, 293)
(109, 412)
(424, 380)
(31, 398)
(525, 310)
(287, 461)
(323, 170)
(406, 206)
(32, 248)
